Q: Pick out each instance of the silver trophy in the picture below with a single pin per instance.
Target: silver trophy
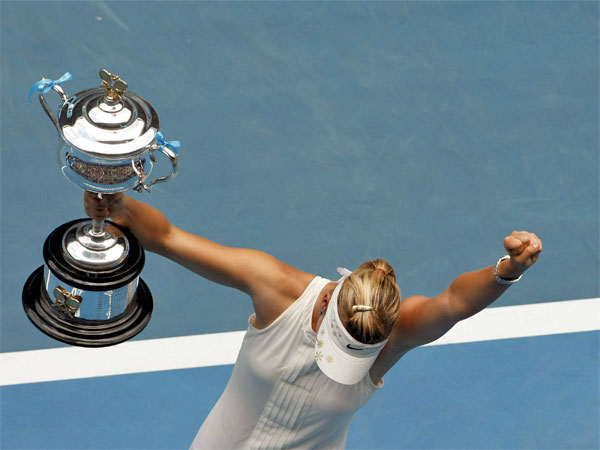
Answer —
(89, 292)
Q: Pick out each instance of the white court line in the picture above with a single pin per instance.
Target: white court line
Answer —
(205, 350)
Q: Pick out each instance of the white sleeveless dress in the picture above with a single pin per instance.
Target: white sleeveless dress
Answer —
(277, 397)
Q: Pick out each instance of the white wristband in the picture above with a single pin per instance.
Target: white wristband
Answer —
(501, 280)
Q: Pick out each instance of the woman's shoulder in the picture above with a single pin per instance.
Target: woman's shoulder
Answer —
(283, 290)
(299, 282)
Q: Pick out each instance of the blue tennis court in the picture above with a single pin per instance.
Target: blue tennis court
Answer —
(326, 134)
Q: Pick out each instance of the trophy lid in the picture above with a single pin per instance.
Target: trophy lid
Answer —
(109, 121)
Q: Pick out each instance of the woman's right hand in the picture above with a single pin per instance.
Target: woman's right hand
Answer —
(110, 205)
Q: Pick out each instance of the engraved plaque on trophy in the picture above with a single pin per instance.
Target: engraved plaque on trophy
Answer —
(89, 291)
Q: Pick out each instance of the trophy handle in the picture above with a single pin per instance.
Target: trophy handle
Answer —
(169, 153)
(46, 108)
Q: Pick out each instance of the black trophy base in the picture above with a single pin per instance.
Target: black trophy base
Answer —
(85, 333)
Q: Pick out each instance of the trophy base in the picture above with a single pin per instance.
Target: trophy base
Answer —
(81, 332)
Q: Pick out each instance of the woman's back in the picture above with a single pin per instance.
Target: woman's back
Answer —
(277, 397)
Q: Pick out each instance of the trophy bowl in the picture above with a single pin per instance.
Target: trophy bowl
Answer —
(89, 292)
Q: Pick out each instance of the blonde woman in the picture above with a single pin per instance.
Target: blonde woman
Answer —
(315, 350)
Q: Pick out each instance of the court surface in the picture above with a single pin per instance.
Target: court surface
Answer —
(325, 133)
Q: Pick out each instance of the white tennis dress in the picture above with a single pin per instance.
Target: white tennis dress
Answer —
(277, 397)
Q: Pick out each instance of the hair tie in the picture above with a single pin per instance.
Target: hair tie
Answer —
(361, 308)
(379, 269)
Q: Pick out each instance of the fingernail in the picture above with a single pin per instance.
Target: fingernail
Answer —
(536, 246)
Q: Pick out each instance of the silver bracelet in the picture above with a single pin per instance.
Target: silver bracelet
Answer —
(501, 280)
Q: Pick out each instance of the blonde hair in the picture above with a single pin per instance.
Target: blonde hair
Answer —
(372, 287)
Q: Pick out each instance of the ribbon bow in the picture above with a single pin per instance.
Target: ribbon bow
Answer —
(172, 145)
(45, 84)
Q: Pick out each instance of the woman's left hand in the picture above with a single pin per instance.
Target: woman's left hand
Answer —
(524, 249)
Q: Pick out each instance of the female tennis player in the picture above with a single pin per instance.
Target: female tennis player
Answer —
(315, 350)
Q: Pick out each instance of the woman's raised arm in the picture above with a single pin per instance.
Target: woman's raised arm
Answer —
(423, 320)
(272, 284)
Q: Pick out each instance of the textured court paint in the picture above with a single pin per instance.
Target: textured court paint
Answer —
(222, 348)
(158, 410)
(526, 393)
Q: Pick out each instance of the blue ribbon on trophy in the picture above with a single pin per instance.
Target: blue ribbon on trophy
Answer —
(172, 145)
(45, 84)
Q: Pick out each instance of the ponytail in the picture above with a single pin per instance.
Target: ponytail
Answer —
(370, 301)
